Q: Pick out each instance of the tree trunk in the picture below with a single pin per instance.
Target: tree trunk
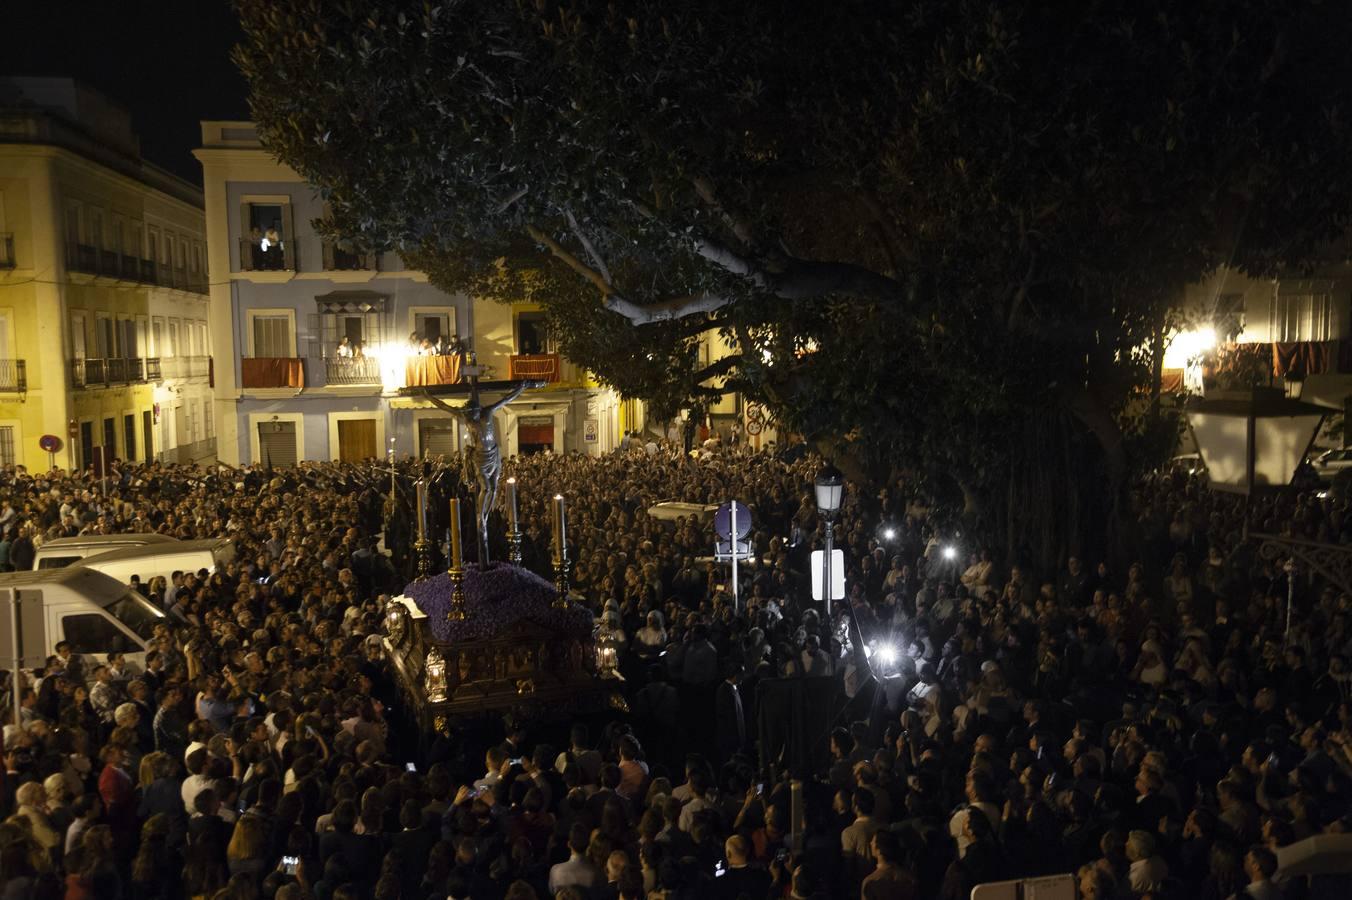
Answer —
(1156, 375)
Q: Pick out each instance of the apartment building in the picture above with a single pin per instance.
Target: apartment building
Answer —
(313, 338)
(103, 287)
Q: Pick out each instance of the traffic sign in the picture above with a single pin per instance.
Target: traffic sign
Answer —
(50, 442)
(724, 520)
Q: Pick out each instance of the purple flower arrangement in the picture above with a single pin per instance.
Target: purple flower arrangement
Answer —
(496, 599)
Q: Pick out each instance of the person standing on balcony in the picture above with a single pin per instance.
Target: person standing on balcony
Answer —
(272, 247)
(345, 349)
(256, 248)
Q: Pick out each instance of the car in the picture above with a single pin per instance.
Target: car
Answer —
(1331, 462)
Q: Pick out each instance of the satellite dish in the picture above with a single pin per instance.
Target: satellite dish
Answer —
(723, 521)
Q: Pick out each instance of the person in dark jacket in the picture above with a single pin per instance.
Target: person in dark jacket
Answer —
(22, 551)
(729, 714)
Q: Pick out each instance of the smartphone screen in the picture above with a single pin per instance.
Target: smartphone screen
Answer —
(410, 767)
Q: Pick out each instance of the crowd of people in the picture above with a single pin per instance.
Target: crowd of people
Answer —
(1156, 732)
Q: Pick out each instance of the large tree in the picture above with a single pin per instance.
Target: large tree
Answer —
(943, 235)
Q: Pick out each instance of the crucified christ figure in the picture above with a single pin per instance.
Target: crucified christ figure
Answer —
(484, 457)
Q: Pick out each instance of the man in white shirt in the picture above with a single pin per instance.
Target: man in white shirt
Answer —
(980, 794)
(198, 781)
(1260, 864)
(494, 760)
(699, 801)
(856, 840)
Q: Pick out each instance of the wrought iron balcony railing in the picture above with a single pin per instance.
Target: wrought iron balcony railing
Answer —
(13, 376)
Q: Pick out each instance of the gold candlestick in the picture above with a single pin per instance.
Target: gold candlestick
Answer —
(457, 561)
(457, 572)
(560, 554)
(560, 541)
(422, 550)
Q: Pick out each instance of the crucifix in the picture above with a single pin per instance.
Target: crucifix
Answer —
(483, 459)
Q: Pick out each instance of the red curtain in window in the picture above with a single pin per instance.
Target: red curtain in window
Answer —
(535, 434)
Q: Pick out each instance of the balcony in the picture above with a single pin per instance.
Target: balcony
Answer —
(253, 258)
(183, 367)
(361, 370)
(272, 372)
(13, 376)
(89, 260)
(536, 367)
(7, 251)
(430, 370)
(339, 259)
(82, 258)
(89, 373)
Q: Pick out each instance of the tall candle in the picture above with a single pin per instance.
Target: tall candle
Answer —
(511, 502)
(559, 540)
(456, 561)
(421, 489)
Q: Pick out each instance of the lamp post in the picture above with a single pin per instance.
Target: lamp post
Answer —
(1252, 440)
(830, 490)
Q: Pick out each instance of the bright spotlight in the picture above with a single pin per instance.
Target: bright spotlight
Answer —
(950, 553)
(890, 534)
(887, 654)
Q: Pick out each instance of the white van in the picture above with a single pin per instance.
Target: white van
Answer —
(61, 552)
(97, 614)
(162, 559)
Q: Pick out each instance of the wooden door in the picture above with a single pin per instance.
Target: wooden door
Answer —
(356, 440)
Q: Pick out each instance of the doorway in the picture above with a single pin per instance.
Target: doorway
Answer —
(129, 437)
(436, 437)
(110, 436)
(277, 444)
(534, 434)
(356, 440)
(86, 444)
(148, 435)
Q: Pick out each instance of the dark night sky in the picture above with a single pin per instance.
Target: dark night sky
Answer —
(166, 61)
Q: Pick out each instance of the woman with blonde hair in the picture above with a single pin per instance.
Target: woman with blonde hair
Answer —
(32, 801)
(248, 844)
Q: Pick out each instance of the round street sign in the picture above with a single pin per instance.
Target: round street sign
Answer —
(723, 521)
(50, 442)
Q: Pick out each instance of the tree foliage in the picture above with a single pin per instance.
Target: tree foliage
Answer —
(941, 233)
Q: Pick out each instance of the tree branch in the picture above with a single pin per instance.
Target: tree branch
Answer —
(506, 204)
(705, 189)
(616, 302)
(666, 311)
(563, 255)
(591, 250)
(1021, 294)
(718, 368)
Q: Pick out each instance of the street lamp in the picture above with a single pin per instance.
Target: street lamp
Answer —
(830, 490)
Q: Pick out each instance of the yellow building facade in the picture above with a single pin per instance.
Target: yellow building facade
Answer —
(103, 288)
